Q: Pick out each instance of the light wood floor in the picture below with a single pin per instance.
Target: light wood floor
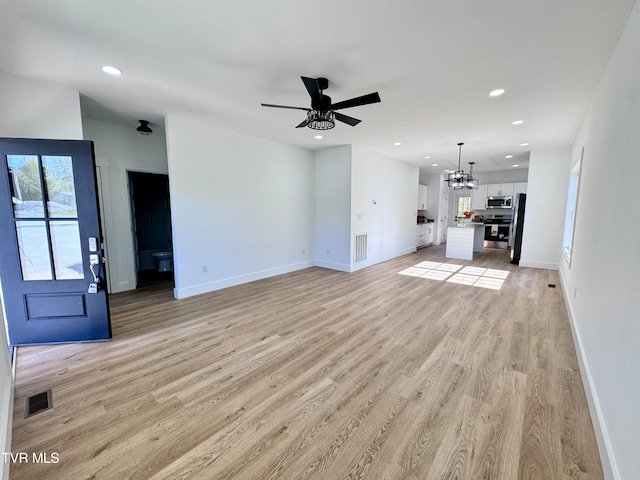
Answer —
(319, 374)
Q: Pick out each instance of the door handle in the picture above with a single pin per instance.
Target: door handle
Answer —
(94, 259)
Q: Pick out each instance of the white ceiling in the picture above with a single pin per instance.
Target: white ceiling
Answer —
(432, 61)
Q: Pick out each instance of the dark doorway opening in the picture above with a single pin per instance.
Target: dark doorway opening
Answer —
(151, 218)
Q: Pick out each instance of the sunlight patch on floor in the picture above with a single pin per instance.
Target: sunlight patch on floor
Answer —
(474, 276)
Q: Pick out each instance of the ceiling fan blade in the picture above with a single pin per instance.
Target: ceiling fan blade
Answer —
(354, 102)
(346, 119)
(285, 106)
(303, 124)
(313, 88)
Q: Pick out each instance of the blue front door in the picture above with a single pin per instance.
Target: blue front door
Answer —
(51, 265)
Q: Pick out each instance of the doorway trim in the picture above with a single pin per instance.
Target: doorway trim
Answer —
(117, 217)
(134, 232)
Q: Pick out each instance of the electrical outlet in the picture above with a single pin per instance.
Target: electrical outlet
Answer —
(304, 251)
(328, 251)
(575, 292)
(205, 268)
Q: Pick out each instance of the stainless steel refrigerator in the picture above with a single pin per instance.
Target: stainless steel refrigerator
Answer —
(516, 227)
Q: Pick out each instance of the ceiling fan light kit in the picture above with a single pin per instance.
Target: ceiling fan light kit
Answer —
(321, 120)
(322, 114)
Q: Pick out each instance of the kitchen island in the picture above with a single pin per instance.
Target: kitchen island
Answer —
(463, 240)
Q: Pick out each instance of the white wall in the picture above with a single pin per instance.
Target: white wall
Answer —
(30, 109)
(349, 179)
(545, 208)
(601, 284)
(333, 208)
(33, 109)
(384, 194)
(242, 206)
(120, 149)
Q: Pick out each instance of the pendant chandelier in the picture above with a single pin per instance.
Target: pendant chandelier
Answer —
(458, 179)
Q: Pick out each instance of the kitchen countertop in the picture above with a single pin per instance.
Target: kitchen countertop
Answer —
(469, 225)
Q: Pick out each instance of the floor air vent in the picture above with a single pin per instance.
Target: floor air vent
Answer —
(37, 403)
(361, 247)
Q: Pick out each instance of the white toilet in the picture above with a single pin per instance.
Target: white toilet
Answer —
(165, 260)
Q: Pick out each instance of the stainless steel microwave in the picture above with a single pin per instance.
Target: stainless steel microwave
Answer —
(499, 202)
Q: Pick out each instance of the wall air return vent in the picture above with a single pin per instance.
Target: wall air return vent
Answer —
(361, 247)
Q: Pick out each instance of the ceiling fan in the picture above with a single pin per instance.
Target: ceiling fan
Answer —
(322, 114)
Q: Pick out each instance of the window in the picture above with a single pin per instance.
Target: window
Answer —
(46, 217)
(464, 205)
(572, 205)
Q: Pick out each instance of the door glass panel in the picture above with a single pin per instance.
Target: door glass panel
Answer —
(464, 205)
(26, 190)
(61, 193)
(34, 250)
(67, 254)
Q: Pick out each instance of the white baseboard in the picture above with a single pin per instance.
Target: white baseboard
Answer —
(374, 261)
(534, 264)
(605, 449)
(342, 267)
(180, 293)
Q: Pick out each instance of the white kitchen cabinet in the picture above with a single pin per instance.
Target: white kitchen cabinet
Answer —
(506, 189)
(519, 188)
(479, 198)
(424, 234)
(421, 235)
(422, 197)
(500, 190)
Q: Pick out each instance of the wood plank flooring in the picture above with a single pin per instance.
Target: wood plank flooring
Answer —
(319, 374)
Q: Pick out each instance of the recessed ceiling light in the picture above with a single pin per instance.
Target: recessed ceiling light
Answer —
(111, 70)
(497, 92)
(517, 122)
(508, 156)
(318, 137)
(514, 166)
(397, 143)
(525, 144)
(428, 156)
(434, 164)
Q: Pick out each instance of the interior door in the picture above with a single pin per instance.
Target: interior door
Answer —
(51, 264)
